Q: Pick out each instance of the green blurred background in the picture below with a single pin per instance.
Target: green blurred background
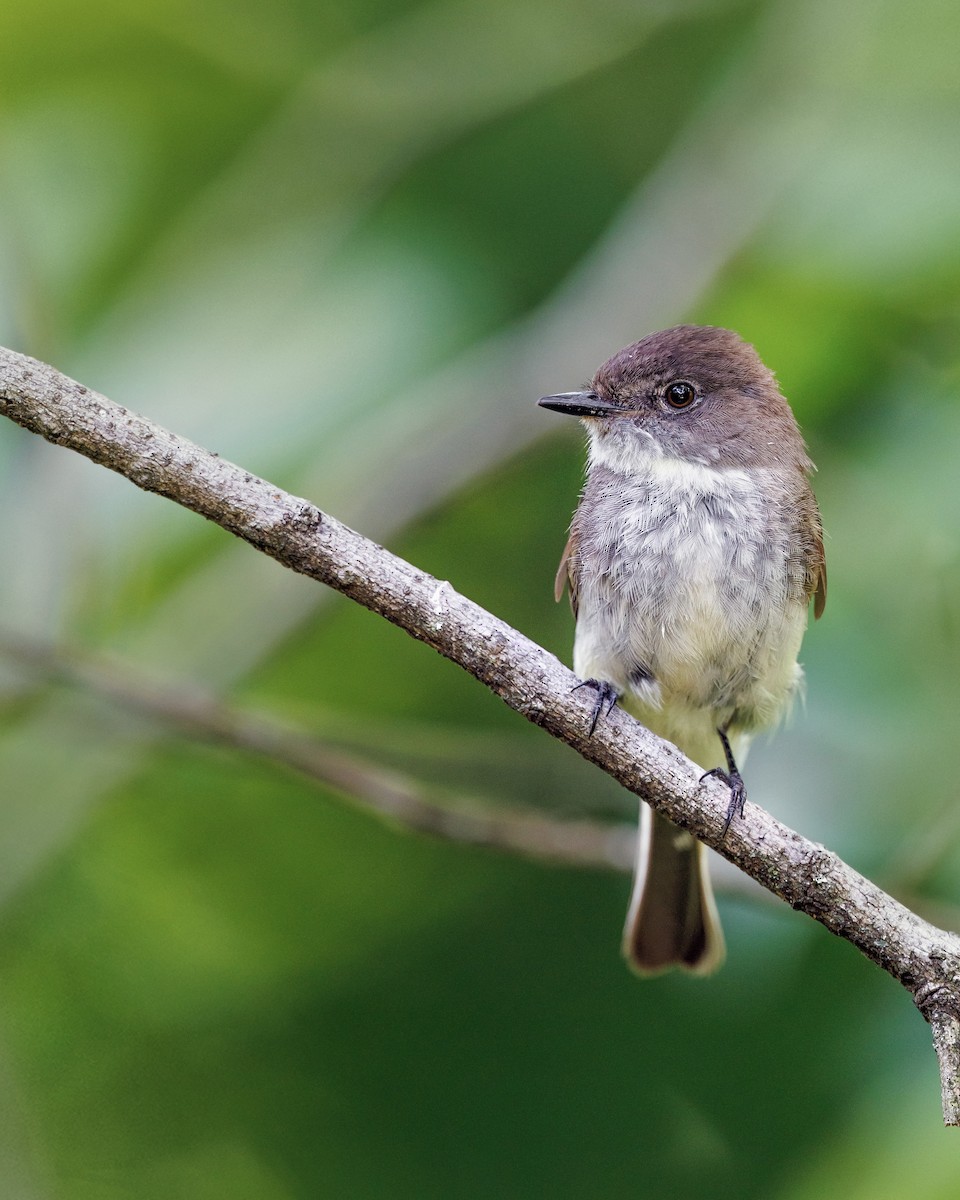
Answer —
(347, 244)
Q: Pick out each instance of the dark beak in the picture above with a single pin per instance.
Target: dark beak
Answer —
(580, 404)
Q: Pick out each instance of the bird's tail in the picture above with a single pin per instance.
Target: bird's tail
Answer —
(672, 920)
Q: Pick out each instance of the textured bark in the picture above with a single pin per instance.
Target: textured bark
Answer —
(925, 959)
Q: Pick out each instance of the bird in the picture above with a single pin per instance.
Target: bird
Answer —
(693, 557)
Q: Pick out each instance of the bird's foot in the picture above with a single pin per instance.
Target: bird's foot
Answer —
(734, 781)
(607, 697)
(738, 794)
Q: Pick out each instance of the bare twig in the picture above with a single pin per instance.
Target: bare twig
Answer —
(926, 960)
(388, 793)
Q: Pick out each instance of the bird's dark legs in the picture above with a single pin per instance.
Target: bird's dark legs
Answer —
(607, 697)
(734, 781)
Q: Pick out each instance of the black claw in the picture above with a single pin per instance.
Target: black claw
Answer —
(734, 781)
(738, 795)
(607, 695)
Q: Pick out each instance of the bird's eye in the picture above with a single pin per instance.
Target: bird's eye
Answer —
(680, 394)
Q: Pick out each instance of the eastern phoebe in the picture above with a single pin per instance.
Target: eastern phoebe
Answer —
(692, 558)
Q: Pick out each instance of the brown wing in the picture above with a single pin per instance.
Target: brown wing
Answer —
(816, 560)
(567, 572)
(820, 592)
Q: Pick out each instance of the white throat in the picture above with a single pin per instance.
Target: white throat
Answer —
(639, 456)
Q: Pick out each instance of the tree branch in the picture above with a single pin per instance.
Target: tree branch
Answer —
(926, 960)
(388, 793)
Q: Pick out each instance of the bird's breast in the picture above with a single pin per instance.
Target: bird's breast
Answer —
(686, 590)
